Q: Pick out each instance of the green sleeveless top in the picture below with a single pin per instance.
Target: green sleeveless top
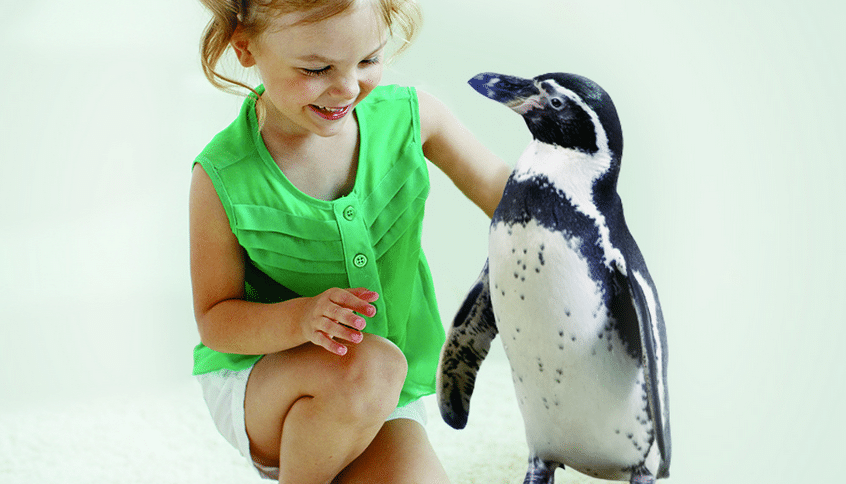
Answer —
(298, 245)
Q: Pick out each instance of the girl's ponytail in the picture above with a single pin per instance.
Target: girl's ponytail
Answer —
(225, 17)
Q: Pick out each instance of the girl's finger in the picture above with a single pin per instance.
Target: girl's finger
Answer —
(358, 300)
(364, 294)
(345, 317)
(347, 334)
(336, 330)
(323, 339)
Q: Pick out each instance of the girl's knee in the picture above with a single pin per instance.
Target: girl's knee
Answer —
(373, 375)
(384, 360)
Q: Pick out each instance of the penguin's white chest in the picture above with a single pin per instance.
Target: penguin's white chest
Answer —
(581, 394)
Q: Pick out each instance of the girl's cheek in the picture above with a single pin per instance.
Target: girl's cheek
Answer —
(371, 80)
(305, 89)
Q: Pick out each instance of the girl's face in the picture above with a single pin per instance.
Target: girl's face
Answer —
(314, 74)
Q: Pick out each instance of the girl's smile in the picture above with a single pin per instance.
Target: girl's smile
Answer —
(331, 114)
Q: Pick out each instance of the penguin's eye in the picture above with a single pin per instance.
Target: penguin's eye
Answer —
(556, 103)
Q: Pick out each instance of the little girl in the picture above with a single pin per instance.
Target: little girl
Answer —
(314, 302)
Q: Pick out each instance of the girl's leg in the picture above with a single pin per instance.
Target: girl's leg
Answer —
(400, 454)
(312, 412)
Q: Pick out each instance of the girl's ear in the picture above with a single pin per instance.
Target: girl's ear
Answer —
(243, 45)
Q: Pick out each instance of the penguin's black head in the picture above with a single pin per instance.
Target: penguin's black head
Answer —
(560, 109)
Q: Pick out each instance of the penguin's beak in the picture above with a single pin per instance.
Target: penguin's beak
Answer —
(521, 95)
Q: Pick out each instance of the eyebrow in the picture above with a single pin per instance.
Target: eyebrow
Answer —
(324, 60)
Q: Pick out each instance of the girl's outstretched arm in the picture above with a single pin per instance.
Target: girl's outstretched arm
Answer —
(474, 169)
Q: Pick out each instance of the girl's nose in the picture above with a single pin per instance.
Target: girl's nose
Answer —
(346, 86)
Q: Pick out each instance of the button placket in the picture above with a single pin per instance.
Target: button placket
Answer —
(359, 257)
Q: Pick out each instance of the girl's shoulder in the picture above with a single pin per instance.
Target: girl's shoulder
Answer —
(236, 141)
(394, 104)
(388, 109)
(391, 92)
(433, 114)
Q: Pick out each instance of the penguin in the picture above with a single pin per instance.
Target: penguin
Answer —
(568, 290)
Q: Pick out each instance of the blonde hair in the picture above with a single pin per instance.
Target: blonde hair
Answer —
(402, 18)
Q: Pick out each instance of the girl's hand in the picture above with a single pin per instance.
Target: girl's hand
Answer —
(335, 315)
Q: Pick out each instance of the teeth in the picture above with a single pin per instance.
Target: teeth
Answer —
(331, 110)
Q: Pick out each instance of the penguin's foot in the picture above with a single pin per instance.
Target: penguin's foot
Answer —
(540, 472)
(641, 476)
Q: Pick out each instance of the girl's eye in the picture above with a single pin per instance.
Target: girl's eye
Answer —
(327, 69)
(316, 72)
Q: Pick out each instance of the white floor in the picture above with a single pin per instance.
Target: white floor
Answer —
(167, 437)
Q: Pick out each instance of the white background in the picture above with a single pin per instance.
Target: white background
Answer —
(733, 114)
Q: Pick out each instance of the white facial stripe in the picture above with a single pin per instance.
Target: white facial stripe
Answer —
(601, 135)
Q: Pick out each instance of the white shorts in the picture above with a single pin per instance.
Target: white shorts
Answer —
(224, 392)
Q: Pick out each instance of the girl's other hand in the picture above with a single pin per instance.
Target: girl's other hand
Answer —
(335, 314)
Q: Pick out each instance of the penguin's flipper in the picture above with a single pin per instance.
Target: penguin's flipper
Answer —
(467, 344)
(653, 343)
